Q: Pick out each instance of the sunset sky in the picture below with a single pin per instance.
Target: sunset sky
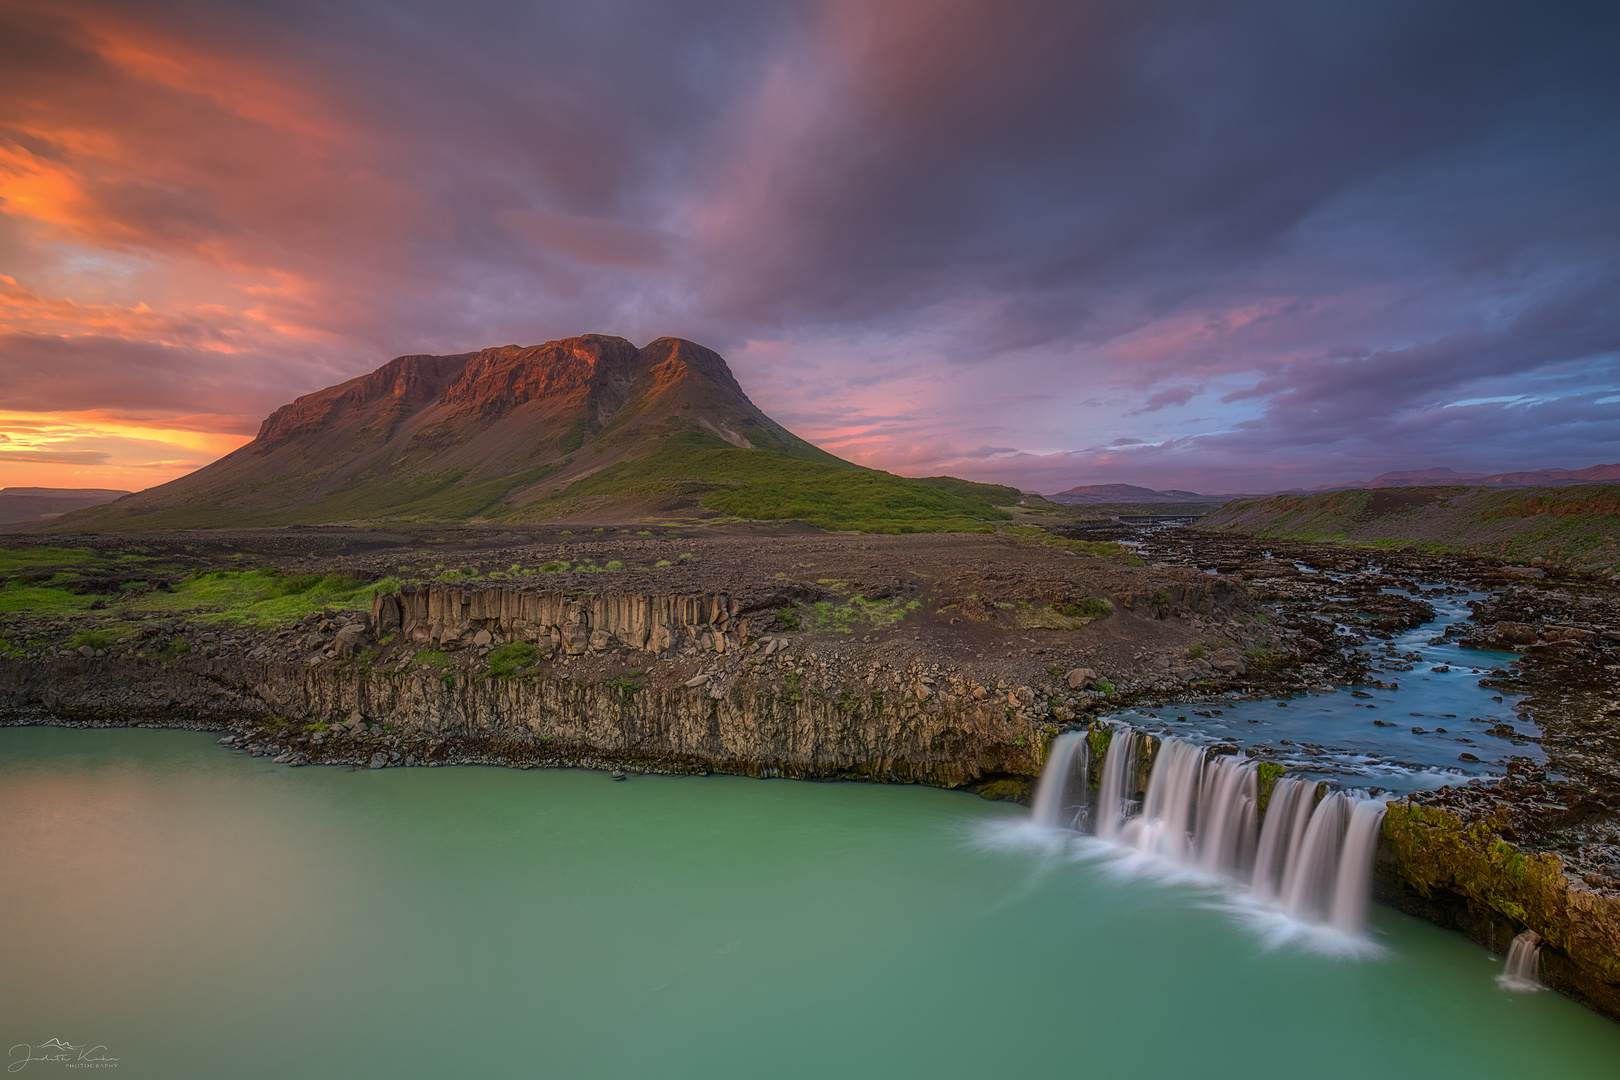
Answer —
(1221, 246)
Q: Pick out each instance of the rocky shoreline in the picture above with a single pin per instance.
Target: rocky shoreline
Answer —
(717, 663)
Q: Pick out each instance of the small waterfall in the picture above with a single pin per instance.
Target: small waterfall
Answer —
(1308, 880)
(1353, 883)
(1199, 811)
(1166, 822)
(1061, 801)
(1118, 781)
(1312, 858)
(1276, 838)
(1228, 816)
(1523, 969)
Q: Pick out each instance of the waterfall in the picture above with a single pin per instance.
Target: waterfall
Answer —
(1353, 884)
(1057, 805)
(1227, 816)
(1523, 969)
(1312, 859)
(1199, 811)
(1166, 822)
(1118, 781)
(1309, 879)
(1276, 838)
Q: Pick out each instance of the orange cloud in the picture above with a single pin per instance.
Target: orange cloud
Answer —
(91, 450)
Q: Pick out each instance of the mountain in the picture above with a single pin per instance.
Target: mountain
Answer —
(19, 504)
(1093, 494)
(587, 428)
(1596, 474)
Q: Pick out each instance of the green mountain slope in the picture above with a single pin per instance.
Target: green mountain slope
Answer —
(1577, 525)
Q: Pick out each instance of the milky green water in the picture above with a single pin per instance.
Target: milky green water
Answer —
(203, 914)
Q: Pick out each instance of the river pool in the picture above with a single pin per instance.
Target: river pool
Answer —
(200, 913)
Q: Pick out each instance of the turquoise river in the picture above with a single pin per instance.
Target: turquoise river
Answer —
(198, 913)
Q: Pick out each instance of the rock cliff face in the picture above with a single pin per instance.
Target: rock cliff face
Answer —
(445, 615)
(1463, 871)
(791, 720)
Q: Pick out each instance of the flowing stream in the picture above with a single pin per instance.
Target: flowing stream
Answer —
(1424, 723)
(202, 914)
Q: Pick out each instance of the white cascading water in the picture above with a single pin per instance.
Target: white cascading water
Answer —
(1308, 880)
(1276, 838)
(1116, 792)
(1522, 972)
(1353, 884)
(1312, 858)
(1060, 797)
(1165, 824)
(1228, 816)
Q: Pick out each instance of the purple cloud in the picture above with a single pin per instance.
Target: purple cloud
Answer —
(1006, 240)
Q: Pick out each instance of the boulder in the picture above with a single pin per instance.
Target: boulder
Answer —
(1516, 633)
(1081, 678)
(349, 640)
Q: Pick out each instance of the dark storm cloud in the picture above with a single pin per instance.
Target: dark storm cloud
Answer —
(1172, 243)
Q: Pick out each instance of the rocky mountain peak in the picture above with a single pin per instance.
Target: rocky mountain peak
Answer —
(498, 380)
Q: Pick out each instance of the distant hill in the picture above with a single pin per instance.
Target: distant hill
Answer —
(22, 504)
(588, 428)
(1094, 494)
(1578, 525)
(1596, 474)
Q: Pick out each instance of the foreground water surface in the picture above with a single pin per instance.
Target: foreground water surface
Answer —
(204, 914)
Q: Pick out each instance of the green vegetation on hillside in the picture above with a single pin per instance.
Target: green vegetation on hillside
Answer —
(1578, 526)
(769, 485)
(984, 494)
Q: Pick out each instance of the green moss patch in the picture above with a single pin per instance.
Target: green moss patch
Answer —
(264, 597)
(833, 617)
(505, 660)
